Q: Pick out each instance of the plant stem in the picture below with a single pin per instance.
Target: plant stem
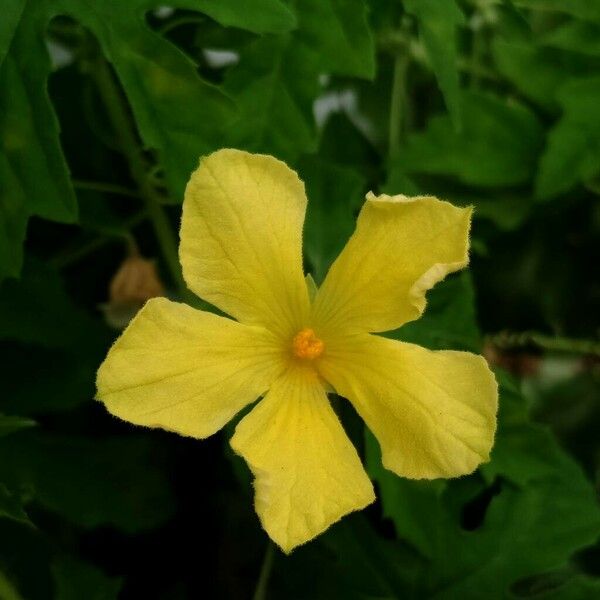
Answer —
(397, 102)
(67, 258)
(108, 188)
(118, 114)
(260, 593)
(507, 339)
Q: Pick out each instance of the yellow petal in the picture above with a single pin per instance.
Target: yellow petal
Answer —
(434, 413)
(241, 239)
(401, 248)
(186, 370)
(307, 473)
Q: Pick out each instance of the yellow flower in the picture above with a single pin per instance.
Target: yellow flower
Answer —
(191, 371)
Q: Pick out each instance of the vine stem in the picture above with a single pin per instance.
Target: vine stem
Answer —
(260, 593)
(118, 114)
(108, 188)
(397, 102)
(507, 339)
(69, 257)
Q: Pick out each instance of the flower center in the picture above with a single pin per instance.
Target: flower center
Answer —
(307, 345)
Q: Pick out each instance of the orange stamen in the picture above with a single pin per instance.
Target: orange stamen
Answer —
(307, 345)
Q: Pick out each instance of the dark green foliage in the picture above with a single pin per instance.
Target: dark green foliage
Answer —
(106, 107)
(437, 22)
(496, 147)
(75, 580)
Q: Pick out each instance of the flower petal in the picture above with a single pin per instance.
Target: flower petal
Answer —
(434, 413)
(186, 370)
(308, 474)
(400, 249)
(241, 239)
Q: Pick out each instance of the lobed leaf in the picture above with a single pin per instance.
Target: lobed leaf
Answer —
(35, 179)
(571, 154)
(536, 514)
(277, 78)
(497, 146)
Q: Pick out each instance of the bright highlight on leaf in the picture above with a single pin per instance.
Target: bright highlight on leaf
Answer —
(189, 371)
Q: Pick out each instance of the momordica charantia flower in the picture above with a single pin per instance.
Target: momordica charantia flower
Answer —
(190, 371)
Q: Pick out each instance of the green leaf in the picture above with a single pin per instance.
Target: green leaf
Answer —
(575, 36)
(7, 590)
(571, 155)
(368, 566)
(512, 23)
(25, 555)
(178, 114)
(10, 508)
(538, 71)
(525, 531)
(497, 146)
(561, 586)
(274, 86)
(9, 424)
(276, 80)
(415, 507)
(438, 20)
(449, 321)
(260, 16)
(12, 10)
(507, 210)
(350, 561)
(343, 144)
(537, 511)
(76, 579)
(584, 9)
(336, 33)
(335, 196)
(90, 482)
(524, 452)
(34, 176)
(398, 182)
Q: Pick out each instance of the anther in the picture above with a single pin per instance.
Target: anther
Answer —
(307, 345)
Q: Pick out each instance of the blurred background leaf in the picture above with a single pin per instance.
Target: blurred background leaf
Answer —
(35, 179)
(437, 22)
(497, 146)
(10, 507)
(277, 78)
(75, 579)
(574, 143)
